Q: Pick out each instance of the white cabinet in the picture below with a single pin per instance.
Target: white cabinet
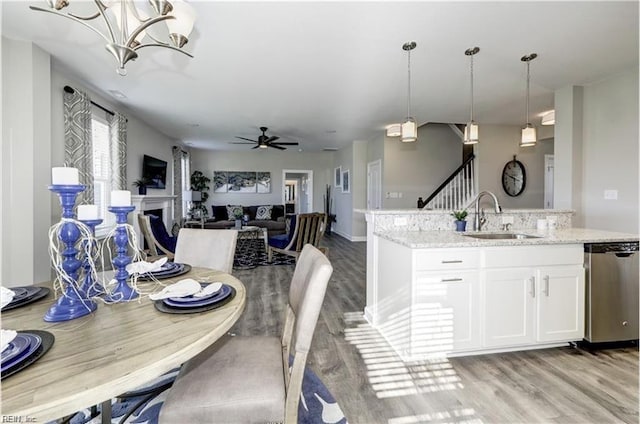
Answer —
(527, 305)
(560, 303)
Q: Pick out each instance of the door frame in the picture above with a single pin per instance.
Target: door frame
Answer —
(377, 162)
(309, 173)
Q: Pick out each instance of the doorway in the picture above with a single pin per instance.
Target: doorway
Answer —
(297, 190)
(374, 185)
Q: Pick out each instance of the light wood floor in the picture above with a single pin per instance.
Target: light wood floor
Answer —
(563, 385)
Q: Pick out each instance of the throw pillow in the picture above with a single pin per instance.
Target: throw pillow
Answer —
(263, 213)
(233, 211)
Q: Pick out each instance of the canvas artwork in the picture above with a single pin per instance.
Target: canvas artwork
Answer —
(345, 182)
(220, 181)
(338, 177)
(241, 182)
(263, 180)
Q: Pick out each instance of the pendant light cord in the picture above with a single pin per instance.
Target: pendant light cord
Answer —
(408, 83)
(471, 117)
(526, 118)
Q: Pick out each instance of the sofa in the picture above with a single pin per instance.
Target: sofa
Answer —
(271, 217)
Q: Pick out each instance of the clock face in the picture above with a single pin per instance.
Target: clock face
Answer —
(514, 178)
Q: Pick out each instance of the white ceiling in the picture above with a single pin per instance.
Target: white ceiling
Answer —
(327, 73)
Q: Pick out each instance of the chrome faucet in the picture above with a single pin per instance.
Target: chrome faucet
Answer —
(480, 220)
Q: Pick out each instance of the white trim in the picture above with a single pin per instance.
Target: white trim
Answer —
(309, 173)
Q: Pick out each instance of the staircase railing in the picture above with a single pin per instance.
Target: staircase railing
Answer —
(457, 191)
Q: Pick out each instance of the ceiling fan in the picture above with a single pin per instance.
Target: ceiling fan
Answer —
(265, 141)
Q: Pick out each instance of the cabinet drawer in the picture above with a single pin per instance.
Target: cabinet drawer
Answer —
(503, 257)
(445, 259)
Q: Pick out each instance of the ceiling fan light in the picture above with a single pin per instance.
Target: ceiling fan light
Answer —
(470, 133)
(394, 130)
(182, 25)
(409, 131)
(263, 146)
(529, 136)
(549, 118)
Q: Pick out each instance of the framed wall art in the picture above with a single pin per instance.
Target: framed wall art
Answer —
(346, 187)
(338, 177)
(220, 182)
(263, 180)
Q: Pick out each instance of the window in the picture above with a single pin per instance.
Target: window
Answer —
(101, 170)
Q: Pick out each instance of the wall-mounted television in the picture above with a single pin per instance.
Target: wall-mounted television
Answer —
(154, 171)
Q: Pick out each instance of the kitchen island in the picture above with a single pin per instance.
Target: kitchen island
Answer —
(441, 292)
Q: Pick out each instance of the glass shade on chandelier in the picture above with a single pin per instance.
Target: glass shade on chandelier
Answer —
(124, 26)
(470, 133)
(409, 131)
(529, 136)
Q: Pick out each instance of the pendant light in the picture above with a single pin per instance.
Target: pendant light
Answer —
(529, 136)
(409, 129)
(471, 130)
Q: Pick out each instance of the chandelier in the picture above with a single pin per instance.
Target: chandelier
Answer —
(409, 129)
(126, 25)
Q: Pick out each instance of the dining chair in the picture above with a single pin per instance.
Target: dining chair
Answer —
(256, 379)
(207, 248)
(305, 228)
(150, 226)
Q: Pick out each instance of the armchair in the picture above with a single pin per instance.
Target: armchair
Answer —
(306, 228)
(159, 242)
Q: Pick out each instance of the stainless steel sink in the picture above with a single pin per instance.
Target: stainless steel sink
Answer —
(500, 236)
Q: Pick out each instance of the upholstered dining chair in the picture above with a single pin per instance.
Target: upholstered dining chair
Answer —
(207, 248)
(305, 228)
(249, 379)
(150, 226)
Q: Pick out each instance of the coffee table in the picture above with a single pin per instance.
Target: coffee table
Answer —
(247, 249)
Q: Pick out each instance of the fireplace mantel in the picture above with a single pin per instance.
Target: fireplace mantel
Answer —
(151, 202)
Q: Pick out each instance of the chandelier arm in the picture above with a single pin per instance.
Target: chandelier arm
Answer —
(85, 18)
(73, 18)
(169, 46)
(146, 25)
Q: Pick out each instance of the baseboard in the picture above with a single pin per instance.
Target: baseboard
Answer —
(350, 238)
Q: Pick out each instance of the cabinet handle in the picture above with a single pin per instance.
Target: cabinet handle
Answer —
(546, 285)
(448, 280)
(533, 286)
(456, 261)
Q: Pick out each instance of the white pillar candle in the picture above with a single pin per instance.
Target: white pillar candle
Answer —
(87, 212)
(65, 176)
(120, 198)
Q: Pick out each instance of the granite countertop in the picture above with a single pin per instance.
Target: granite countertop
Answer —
(431, 239)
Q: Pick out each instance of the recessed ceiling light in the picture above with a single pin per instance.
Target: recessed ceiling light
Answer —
(331, 131)
(194, 125)
(330, 149)
(117, 94)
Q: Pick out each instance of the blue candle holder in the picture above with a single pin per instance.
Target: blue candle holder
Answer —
(88, 285)
(123, 292)
(74, 303)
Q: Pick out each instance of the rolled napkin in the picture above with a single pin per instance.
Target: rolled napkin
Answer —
(182, 288)
(142, 267)
(6, 296)
(6, 337)
(208, 289)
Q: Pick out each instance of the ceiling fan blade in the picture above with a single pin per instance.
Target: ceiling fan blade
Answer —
(256, 146)
(275, 146)
(248, 139)
(294, 143)
(239, 142)
(272, 139)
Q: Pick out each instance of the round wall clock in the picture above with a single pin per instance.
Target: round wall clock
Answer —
(514, 178)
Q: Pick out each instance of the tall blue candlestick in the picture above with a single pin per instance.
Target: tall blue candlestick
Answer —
(74, 302)
(123, 292)
(89, 284)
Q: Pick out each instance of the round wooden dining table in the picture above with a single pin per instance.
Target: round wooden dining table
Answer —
(111, 351)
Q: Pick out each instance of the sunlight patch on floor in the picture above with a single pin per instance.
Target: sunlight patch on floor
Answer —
(461, 416)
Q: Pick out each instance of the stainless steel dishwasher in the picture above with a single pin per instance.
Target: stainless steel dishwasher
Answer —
(611, 291)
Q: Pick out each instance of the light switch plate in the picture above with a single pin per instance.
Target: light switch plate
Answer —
(611, 194)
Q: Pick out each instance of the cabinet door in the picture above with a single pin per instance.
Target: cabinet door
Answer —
(508, 306)
(560, 303)
(445, 313)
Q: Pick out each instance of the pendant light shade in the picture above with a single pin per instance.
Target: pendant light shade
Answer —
(529, 136)
(409, 131)
(409, 128)
(549, 118)
(471, 130)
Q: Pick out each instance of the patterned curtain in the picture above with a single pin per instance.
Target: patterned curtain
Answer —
(78, 149)
(118, 142)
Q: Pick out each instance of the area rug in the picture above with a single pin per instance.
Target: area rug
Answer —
(317, 405)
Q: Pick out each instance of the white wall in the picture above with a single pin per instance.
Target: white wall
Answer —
(25, 163)
(268, 160)
(498, 144)
(417, 169)
(610, 153)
